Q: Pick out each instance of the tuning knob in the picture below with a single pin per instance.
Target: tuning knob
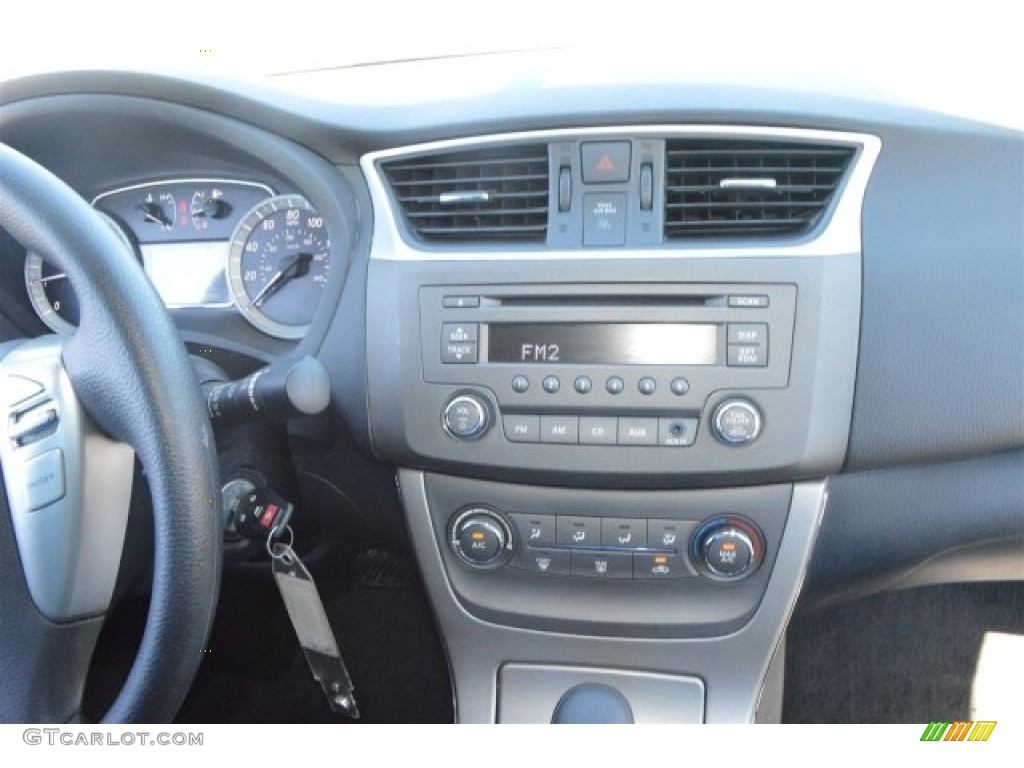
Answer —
(736, 422)
(467, 416)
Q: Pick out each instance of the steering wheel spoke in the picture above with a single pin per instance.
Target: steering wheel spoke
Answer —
(69, 486)
(124, 375)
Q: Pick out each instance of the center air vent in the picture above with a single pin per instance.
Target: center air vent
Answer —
(483, 195)
(740, 187)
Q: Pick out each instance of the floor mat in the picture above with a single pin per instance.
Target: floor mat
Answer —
(256, 672)
(901, 657)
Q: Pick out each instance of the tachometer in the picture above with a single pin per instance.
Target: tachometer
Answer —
(50, 292)
(278, 265)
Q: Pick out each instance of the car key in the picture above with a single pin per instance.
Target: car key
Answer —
(261, 512)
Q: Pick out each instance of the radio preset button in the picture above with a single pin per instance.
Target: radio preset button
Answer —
(647, 385)
(677, 433)
(522, 429)
(583, 384)
(614, 385)
(638, 431)
(520, 384)
(679, 386)
(559, 429)
(598, 430)
(551, 384)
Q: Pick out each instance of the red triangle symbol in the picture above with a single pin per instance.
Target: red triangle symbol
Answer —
(605, 164)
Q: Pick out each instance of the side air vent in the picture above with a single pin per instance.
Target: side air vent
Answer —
(483, 195)
(739, 187)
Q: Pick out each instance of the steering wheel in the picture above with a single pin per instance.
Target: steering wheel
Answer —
(74, 412)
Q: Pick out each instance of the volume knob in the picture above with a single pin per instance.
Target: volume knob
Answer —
(466, 416)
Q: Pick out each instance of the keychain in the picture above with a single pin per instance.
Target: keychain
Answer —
(265, 515)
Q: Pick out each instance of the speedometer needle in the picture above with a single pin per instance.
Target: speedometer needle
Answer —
(290, 268)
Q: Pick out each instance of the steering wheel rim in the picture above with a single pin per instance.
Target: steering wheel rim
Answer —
(130, 372)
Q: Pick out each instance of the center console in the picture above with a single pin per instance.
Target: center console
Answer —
(613, 440)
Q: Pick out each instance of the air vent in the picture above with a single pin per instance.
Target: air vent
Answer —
(737, 187)
(484, 195)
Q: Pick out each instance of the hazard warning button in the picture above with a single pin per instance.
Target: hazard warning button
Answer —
(605, 161)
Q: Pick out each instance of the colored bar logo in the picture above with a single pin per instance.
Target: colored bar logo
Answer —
(960, 731)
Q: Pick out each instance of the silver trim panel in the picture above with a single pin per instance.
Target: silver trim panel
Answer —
(733, 667)
(840, 236)
(70, 549)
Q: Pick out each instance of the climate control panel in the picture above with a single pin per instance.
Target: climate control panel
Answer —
(723, 548)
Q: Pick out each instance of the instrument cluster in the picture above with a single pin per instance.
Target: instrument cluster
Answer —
(213, 244)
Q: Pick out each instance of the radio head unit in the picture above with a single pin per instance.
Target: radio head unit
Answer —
(670, 383)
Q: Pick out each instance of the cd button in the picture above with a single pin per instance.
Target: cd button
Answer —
(598, 430)
(559, 429)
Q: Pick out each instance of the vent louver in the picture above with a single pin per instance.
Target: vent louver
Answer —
(740, 187)
(483, 195)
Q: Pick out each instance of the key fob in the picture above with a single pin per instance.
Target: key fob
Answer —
(261, 511)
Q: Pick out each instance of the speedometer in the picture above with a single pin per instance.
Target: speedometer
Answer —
(278, 265)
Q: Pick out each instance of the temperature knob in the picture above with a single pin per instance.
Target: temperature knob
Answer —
(727, 548)
(466, 417)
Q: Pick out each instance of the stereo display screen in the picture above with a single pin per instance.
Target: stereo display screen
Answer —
(604, 343)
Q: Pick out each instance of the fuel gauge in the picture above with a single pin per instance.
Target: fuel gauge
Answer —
(208, 205)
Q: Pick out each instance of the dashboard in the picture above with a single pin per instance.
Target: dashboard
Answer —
(650, 362)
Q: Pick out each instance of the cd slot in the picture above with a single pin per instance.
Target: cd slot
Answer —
(716, 300)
